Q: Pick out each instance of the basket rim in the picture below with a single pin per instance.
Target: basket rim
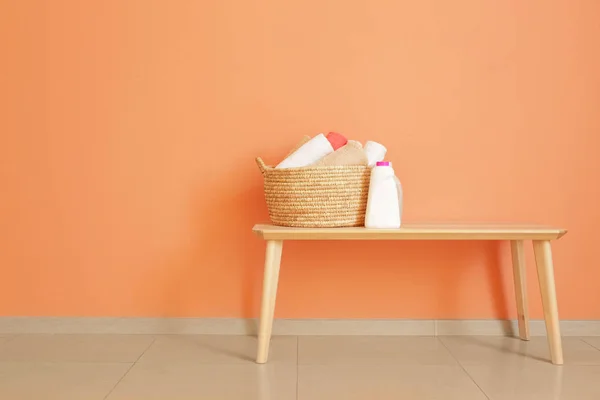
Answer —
(265, 167)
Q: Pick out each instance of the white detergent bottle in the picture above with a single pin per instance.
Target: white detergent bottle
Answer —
(400, 196)
(383, 207)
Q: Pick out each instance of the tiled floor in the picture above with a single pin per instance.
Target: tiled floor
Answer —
(307, 368)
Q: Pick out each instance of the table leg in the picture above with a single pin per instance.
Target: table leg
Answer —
(545, 270)
(267, 309)
(519, 273)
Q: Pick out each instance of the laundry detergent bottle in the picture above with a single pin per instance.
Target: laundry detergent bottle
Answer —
(383, 204)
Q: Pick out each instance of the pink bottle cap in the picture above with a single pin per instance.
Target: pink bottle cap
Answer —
(383, 163)
(336, 140)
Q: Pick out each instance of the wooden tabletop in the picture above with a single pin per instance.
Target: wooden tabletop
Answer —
(441, 231)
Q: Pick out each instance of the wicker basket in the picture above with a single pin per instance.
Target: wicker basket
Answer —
(316, 197)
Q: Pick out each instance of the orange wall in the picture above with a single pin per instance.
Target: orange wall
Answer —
(129, 128)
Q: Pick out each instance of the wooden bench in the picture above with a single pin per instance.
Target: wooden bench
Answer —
(516, 234)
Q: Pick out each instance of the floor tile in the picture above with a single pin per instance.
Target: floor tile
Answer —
(593, 341)
(75, 348)
(203, 381)
(373, 350)
(407, 382)
(60, 381)
(5, 338)
(537, 381)
(218, 349)
(494, 350)
(352, 367)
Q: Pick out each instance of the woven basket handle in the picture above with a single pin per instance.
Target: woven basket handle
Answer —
(261, 165)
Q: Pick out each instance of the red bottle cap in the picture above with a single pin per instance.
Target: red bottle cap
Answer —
(336, 140)
(383, 163)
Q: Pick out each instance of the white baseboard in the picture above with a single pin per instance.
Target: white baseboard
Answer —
(240, 326)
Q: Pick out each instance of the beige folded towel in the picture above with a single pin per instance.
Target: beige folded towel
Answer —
(350, 154)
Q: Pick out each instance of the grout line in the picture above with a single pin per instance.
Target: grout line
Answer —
(464, 369)
(119, 381)
(129, 369)
(146, 349)
(589, 344)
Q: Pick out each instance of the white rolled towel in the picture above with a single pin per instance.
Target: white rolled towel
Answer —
(310, 152)
(375, 152)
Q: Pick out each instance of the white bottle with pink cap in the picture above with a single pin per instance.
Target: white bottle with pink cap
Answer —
(383, 204)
